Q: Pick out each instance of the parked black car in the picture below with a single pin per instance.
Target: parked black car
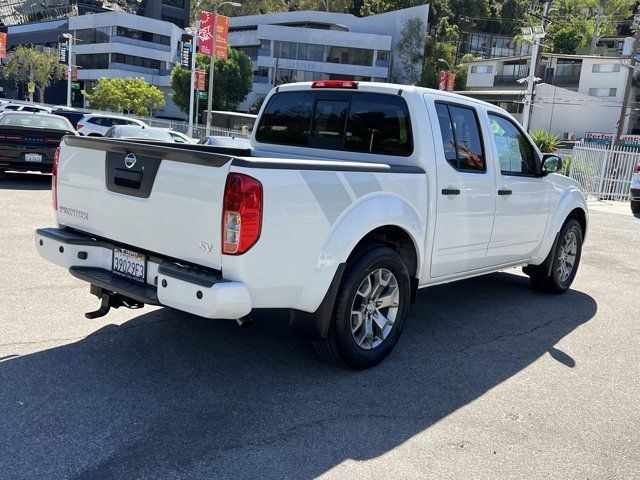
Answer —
(28, 141)
(73, 116)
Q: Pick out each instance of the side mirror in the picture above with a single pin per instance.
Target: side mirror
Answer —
(551, 164)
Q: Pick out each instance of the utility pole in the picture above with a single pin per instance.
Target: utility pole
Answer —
(629, 84)
(69, 69)
(531, 78)
(594, 39)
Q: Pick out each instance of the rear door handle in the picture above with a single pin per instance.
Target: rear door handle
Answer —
(504, 192)
(450, 191)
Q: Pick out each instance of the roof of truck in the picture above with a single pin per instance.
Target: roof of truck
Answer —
(386, 88)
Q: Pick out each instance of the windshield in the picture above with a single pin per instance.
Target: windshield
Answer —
(31, 120)
(139, 132)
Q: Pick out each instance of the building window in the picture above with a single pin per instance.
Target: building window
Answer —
(174, 3)
(137, 61)
(383, 55)
(605, 68)
(176, 21)
(479, 45)
(251, 51)
(143, 36)
(93, 61)
(323, 53)
(482, 69)
(603, 92)
(265, 45)
(87, 36)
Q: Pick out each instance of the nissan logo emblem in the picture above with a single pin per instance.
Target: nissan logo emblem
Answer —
(130, 160)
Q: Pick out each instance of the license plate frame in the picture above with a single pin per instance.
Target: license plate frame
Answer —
(129, 264)
(33, 157)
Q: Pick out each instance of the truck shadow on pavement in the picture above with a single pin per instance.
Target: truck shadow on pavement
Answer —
(171, 395)
(24, 181)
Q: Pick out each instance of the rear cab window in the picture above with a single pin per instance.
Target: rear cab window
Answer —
(338, 120)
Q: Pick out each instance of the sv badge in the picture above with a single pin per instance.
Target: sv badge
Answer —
(206, 247)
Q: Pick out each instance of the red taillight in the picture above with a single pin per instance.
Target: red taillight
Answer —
(334, 84)
(78, 127)
(14, 138)
(241, 214)
(52, 141)
(637, 169)
(54, 179)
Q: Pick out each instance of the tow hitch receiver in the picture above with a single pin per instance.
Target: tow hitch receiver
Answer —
(109, 300)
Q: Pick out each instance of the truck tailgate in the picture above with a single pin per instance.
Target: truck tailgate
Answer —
(162, 198)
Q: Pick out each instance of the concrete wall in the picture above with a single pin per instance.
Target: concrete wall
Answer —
(560, 110)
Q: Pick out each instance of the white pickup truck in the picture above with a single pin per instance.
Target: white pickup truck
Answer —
(352, 196)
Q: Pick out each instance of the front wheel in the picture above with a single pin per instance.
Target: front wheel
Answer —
(370, 311)
(564, 260)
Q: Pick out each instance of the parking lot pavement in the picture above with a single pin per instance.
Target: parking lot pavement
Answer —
(490, 380)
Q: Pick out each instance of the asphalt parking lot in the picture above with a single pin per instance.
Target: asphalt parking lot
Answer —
(491, 380)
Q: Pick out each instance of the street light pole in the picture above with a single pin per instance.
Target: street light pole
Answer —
(211, 70)
(69, 38)
(194, 49)
(211, 65)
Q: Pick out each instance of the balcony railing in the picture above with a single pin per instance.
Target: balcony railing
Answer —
(571, 80)
(507, 80)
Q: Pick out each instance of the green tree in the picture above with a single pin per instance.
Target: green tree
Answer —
(128, 95)
(31, 64)
(441, 45)
(410, 50)
(232, 81)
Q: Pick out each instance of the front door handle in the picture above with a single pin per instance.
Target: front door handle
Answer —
(450, 191)
(504, 192)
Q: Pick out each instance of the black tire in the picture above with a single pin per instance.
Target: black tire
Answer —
(548, 279)
(635, 206)
(341, 347)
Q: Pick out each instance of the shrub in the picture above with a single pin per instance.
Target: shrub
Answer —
(546, 141)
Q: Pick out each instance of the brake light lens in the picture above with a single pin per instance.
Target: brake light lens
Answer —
(54, 179)
(14, 138)
(242, 213)
(637, 169)
(50, 140)
(79, 127)
(335, 84)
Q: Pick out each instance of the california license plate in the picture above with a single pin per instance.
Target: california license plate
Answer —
(128, 264)
(32, 157)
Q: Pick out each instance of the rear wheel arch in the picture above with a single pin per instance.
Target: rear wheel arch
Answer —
(315, 326)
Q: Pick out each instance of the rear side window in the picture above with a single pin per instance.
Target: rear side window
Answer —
(360, 122)
(287, 120)
(461, 138)
(379, 124)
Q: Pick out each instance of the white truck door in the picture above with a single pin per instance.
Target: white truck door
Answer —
(522, 204)
(466, 193)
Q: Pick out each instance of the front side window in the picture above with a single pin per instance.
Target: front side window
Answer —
(461, 137)
(515, 153)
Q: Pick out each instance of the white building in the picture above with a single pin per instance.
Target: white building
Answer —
(120, 45)
(313, 45)
(576, 93)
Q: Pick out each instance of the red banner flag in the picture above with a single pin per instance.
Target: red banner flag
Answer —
(214, 42)
(222, 34)
(3, 45)
(199, 80)
(205, 33)
(443, 84)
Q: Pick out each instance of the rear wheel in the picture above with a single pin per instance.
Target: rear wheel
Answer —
(635, 206)
(564, 260)
(370, 311)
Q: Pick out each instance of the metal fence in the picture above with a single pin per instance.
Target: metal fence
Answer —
(603, 171)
